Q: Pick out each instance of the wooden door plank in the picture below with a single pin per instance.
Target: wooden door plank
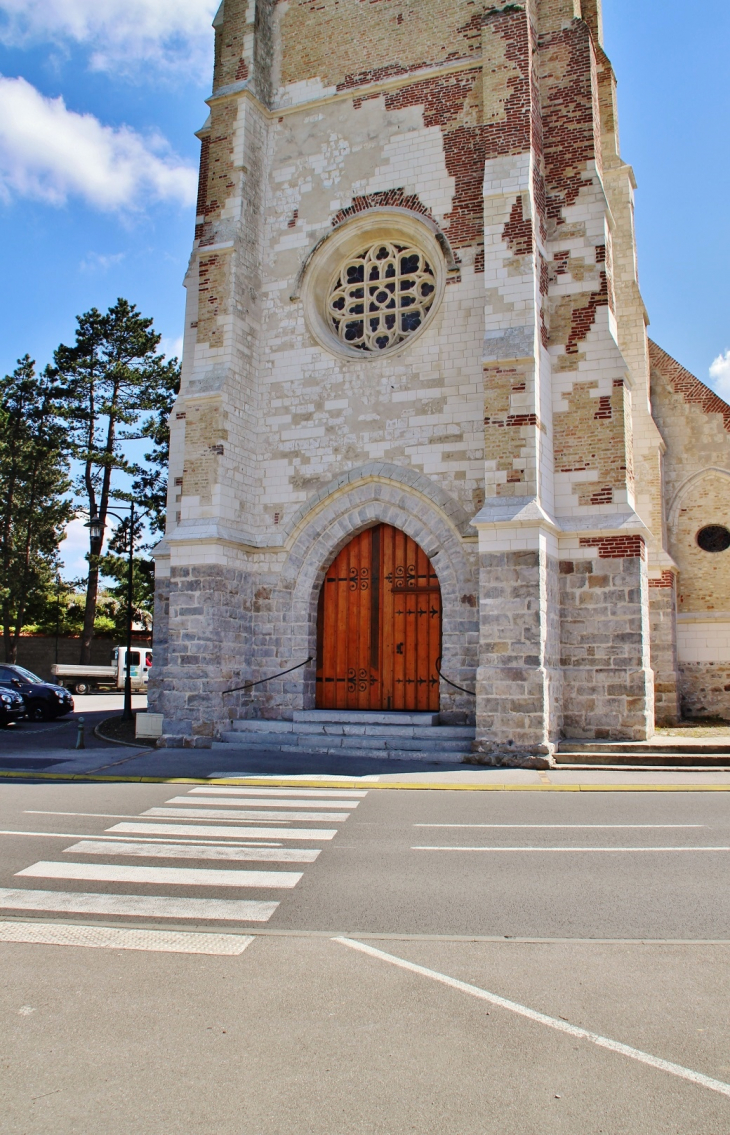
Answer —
(379, 626)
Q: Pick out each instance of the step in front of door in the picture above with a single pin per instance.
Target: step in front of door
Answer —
(365, 717)
(249, 745)
(316, 742)
(345, 729)
(666, 758)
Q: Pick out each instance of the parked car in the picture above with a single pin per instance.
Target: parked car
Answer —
(43, 701)
(12, 707)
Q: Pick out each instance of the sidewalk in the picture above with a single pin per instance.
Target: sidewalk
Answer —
(47, 752)
(121, 763)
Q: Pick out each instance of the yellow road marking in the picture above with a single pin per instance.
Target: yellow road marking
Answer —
(427, 786)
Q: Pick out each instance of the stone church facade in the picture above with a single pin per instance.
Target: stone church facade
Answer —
(414, 323)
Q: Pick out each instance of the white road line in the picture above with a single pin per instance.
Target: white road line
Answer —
(257, 803)
(120, 938)
(146, 906)
(222, 832)
(541, 1018)
(195, 842)
(221, 790)
(562, 827)
(178, 876)
(194, 851)
(570, 849)
(93, 815)
(211, 814)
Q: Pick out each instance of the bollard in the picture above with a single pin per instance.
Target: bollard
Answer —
(80, 743)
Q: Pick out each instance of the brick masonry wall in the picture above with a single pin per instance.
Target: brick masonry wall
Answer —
(663, 616)
(518, 681)
(604, 648)
(695, 425)
(205, 647)
(705, 689)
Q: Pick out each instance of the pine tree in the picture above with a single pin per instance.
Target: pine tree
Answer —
(112, 376)
(150, 484)
(34, 483)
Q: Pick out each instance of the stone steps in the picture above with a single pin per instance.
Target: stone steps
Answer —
(671, 745)
(364, 717)
(266, 749)
(399, 736)
(345, 729)
(675, 752)
(643, 760)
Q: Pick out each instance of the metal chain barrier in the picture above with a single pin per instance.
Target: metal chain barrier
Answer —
(250, 685)
(448, 681)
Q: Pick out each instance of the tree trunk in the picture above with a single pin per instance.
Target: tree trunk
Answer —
(7, 642)
(92, 591)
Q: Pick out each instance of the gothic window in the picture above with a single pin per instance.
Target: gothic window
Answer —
(374, 284)
(381, 296)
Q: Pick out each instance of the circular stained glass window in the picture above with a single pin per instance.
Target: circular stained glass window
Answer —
(381, 296)
(714, 538)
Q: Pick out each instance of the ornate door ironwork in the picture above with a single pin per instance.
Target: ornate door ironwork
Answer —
(379, 626)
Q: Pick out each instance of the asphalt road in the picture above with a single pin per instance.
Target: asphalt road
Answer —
(326, 997)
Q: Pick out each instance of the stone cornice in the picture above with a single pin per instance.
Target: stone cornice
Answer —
(367, 90)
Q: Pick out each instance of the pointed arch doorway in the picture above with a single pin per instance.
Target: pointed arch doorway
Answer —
(379, 626)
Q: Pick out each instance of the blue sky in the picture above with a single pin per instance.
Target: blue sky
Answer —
(99, 100)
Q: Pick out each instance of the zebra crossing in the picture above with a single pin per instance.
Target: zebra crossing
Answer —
(244, 844)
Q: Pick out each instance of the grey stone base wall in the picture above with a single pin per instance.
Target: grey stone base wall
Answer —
(202, 651)
(663, 616)
(705, 689)
(608, 685)
(217, 627)
(518, 682)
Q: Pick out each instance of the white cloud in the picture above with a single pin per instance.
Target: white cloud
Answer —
(73, 549)
(119, 34)
(171, 348)
(720, 375)
(51, 153)
(101, 262)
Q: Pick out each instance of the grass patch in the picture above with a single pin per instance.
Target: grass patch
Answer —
(114, 729)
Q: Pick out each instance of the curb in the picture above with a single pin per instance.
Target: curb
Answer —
(238, 782)
(113, 740)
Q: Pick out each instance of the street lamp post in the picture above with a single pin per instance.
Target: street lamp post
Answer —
(96, 528)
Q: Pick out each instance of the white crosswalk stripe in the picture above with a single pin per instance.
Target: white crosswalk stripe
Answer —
(223, 832)
(231, 815)
(176, 876)
(211, 814)
(343, 794)
(146, 906)
(195, 851)
(255, 802)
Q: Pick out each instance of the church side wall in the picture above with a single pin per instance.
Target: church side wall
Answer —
(695, 426)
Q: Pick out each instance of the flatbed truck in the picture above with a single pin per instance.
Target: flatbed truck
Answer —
(84, 679)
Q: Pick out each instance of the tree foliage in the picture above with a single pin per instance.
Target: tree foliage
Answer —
(116, 388)
(35, 508)
(149, 487)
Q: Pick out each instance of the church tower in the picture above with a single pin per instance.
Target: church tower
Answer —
(414, 441)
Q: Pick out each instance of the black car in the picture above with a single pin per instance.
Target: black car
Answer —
(12, 707)
(43, 701)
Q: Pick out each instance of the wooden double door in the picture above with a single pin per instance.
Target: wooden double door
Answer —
(379, 626)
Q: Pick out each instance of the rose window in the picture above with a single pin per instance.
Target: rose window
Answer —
(381, 296)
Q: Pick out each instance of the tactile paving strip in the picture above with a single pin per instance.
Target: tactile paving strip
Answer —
(121, 938)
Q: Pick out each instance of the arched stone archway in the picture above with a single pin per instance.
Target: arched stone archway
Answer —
(322, 535)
